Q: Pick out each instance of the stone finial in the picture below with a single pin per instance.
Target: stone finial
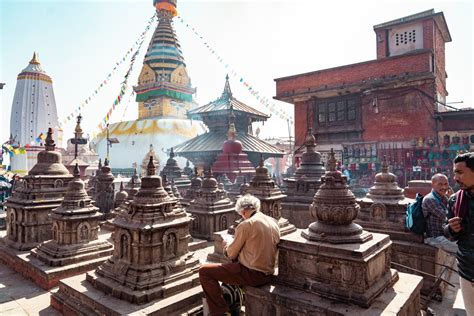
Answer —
(384, 164)
(332, 162)
(151, 169)
(49, 143)
(187, 163)
(121, 186)
(310, 140)
(78, 129)
(232, 132)
(196, 171)
(260, 163)
(100, 164)
(76, 172)
(172, 153)
(106, 162)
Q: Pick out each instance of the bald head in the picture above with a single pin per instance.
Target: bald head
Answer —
(439, 183)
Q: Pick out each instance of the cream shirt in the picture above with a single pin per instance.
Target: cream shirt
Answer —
(255, 243)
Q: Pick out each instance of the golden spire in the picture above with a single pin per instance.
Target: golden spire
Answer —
(34, 60)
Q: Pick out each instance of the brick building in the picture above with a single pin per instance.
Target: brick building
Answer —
(391, 106)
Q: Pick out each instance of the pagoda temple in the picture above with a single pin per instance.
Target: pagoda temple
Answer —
(164, 94)
(204, 149)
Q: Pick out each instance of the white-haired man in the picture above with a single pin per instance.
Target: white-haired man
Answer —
(255, 249)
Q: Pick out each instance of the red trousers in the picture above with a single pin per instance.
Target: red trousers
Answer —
(229, 273)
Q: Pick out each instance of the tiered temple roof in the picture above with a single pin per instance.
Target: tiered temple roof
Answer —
(203, 149)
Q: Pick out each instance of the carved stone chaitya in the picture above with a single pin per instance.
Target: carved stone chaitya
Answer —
(75, 231)
(174, 173)
(332, 261)
(151, 261)
(133, 185)
(104, 192)
(34, 196)
(211, 209)
(383, 211)
(303, 185)
(92, 183)
(264, 188)
(190, 194)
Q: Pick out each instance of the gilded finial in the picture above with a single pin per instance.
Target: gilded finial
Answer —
(78, 128)
(227, 93)
(49, 143)
(310, 140)
(151, 169)
(332, 161)
(34, 60)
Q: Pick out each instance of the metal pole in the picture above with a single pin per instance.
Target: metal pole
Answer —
(108, 142)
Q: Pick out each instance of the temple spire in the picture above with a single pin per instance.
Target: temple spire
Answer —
(227, 93)
(34, 60)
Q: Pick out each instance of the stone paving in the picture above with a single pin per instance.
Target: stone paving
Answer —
(19, 296)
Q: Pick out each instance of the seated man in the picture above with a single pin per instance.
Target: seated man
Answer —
(254, 248)
(435, 210)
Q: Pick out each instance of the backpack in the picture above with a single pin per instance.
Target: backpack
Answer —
(415, 221)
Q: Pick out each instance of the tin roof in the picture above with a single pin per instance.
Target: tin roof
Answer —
(224, 104)
(213, 141)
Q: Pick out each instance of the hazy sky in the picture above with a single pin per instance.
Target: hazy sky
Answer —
(79, 42)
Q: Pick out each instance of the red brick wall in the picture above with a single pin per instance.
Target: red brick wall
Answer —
(460, 123)
(440, 63)
(417, 62)
(402, 115)
(302, 110)
(381, 44)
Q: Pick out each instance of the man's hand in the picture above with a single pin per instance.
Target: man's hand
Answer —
(455, 224)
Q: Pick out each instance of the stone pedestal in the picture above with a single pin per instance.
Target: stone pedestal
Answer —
(402, 299)
(301, 188)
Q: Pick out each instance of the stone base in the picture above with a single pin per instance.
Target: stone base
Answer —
(76, 296)
(424, 258)
(217, 255)
(42, 274)
(355, 273)
(403, 299)
(55, 255)
(196, 244)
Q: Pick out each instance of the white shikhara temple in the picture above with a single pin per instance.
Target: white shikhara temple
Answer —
(34, 106)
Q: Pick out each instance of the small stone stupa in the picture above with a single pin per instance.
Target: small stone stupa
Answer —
(92, 183)
(133, 185)
(190, 194)
(174, 173)
(303, 185)
(75, 246)
(232, 161)
(151, 271)
(264, 188)
(35, 195)
(335, 267)
(104, 192)
(211, 208)
(383, 211)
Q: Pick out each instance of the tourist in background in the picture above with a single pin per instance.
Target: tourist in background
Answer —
(435, 210)
(255, 250)
(460, 225)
